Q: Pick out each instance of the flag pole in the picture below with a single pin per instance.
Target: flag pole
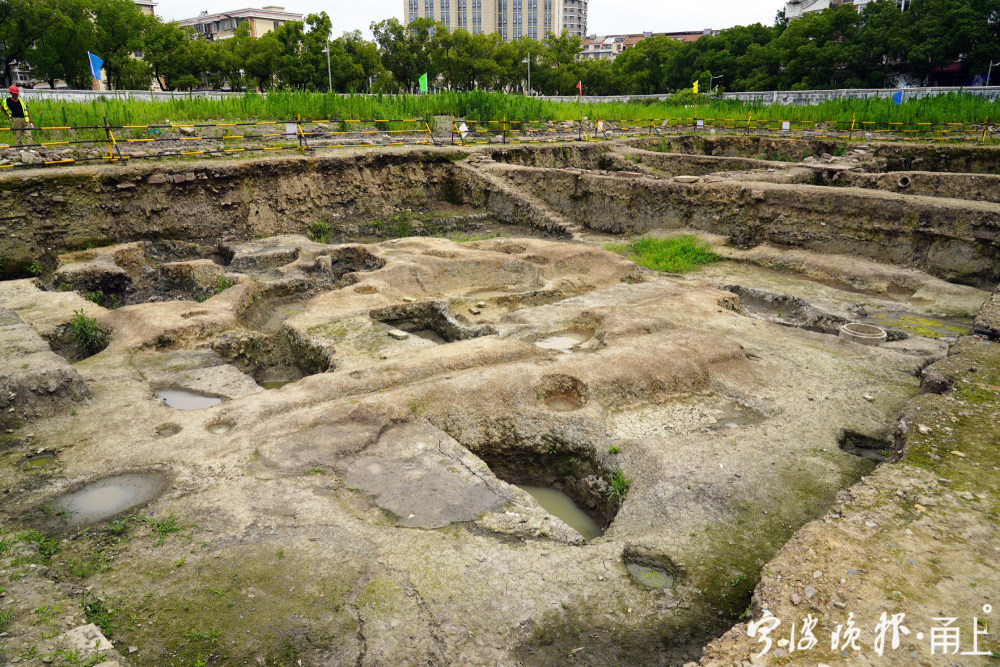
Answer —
(579, 87)
(95, 72)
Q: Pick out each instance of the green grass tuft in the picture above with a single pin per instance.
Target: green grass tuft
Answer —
(319, 232)
(673, 255)
(89, 337)
(620, 484)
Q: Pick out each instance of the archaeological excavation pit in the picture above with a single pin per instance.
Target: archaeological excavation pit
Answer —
(412, 408)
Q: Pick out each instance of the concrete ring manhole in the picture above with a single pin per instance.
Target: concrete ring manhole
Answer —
(865, 334)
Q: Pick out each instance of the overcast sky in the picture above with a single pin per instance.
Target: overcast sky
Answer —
(606, 16)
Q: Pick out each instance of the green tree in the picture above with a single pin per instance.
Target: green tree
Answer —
(879, 52)
(295, 67)
(812, 50)
(557, 72)
(654, 66)
(119, 36)
(406, 50)
(61, 53)
(262, 61)
(943, 32)
(23, 25)
(230, 56)
(364, 55)
(168, 49)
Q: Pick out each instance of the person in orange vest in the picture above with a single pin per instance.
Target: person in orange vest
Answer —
(17, 113)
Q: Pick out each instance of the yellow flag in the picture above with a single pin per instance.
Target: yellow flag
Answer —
(695, 87)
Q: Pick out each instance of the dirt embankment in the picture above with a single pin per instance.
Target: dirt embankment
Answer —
(952, 239)
(75, 208)
(973, 159)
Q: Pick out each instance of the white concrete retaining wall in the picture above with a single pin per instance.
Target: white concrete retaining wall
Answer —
(804, 96)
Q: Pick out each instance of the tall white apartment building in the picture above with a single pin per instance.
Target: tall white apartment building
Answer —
(512, 19)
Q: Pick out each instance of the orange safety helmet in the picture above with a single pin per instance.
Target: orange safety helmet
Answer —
(13, 90)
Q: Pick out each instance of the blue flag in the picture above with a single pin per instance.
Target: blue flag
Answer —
(95, 66)
(897, 97)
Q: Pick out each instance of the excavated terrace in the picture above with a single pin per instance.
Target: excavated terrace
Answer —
(314, 388)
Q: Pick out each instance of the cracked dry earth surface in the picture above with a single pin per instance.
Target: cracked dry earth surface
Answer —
(364, 509)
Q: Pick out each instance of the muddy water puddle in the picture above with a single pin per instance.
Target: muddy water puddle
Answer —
(182, 399)
(565, 341)
(653, 577)
(101, 500)
(560, 505)
(274, 384)
(38, 461)
(918, 325)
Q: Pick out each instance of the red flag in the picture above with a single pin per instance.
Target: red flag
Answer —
(579, 86)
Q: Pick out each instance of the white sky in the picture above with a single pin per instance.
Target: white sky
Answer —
(606, 16)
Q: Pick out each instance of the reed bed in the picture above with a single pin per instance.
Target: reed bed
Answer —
(483, 106)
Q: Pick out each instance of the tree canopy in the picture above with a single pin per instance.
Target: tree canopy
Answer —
(835, 48)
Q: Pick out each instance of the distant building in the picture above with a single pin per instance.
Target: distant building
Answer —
(215, 27)
(146, 6)
(609, 47)
(796, 8)
(575, 17)
(512, 19)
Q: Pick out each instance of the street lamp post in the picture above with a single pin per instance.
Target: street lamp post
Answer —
(990, 71)
(329, 72)
(713, 78)
(528, 60)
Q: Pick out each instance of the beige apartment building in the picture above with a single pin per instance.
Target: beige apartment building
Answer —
(609, 47)
(512, 19)
(146, 6)
(215, 27)
(575, 17)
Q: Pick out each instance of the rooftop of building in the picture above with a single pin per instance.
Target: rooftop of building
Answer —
(268, 12)
(634, 38)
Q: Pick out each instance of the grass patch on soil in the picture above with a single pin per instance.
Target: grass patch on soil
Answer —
(674, 255)
(203, 614)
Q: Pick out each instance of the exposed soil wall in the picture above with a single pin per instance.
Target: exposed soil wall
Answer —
(678, 164)
(46, 212)
(763, 148)
(974, 187)
(976, 159)
(954, 240)
(585, 156)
